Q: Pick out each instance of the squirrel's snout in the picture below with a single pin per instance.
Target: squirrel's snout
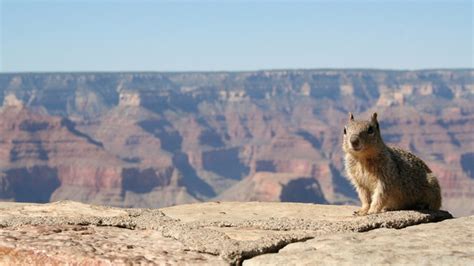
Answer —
(355, 142)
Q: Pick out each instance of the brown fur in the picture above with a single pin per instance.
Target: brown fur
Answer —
(386, 178)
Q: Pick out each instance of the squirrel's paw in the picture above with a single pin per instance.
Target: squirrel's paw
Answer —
(376, 211)
(361, 212)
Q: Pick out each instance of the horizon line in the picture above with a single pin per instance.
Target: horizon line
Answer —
(237, 71)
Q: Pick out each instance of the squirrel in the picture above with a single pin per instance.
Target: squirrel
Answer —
(386, 178)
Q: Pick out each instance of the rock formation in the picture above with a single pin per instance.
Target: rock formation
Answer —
(159, 139)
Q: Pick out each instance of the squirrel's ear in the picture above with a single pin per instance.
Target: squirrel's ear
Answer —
(351, 117)
(374, 120)
(374, 117)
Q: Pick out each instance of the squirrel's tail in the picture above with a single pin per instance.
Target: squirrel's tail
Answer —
(433, 196)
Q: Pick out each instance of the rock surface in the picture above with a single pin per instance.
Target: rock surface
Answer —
(207, 233)
(86, 245)
(448, 242)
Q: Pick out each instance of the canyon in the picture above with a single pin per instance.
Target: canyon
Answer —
(152, 140)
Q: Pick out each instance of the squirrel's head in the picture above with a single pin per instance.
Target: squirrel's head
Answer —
(362, 137)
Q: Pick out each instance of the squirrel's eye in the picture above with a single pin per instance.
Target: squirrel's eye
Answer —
(370, 130)
(344, 131)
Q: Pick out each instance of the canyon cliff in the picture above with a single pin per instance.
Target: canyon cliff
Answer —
(161, 139)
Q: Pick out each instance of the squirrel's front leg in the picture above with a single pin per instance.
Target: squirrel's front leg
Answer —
(377, 203)
(365, 199)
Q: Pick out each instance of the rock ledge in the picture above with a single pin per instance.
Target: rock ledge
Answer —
(210, 233)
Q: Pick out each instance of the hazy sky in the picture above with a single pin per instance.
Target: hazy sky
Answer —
(234, 35)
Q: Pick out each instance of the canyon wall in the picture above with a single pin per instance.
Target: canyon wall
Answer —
(160, 139)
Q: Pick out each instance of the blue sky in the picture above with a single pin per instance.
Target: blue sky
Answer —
(234, 35)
